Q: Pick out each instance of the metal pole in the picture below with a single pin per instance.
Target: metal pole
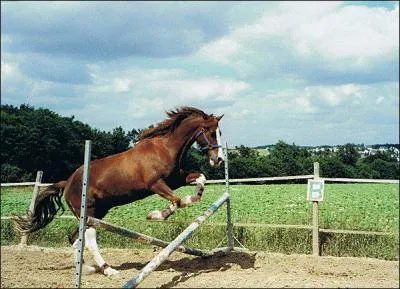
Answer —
(82, 220)
(157, 260)
(229, 226)
(315, 230)
(142, 237)
(39, 175)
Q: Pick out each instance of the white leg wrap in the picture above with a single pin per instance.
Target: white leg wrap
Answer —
(75, 244)
(86, 269)
(173, 207)
(155, 215)
(201, 180)
(158, 215)
(110, 272)
(186, 201)
(91, 244)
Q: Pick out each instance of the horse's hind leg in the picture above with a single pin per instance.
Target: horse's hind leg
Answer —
(91, 244)
(73, 239)
(86, 268)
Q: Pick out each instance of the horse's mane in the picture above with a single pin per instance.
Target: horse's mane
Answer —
(175, 119)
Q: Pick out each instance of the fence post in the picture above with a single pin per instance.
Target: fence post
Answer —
(82, 221)
(39, 175)
(315, 225)
(229, 225)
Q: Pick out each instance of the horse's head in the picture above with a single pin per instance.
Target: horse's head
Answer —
(209, 140)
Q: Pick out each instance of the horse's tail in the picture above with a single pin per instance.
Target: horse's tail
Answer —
(48, 202)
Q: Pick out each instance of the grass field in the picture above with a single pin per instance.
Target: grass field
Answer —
(365, 207)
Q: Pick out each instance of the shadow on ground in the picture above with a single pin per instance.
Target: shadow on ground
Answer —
(191, 267)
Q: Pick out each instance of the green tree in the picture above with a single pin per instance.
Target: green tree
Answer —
(134, 135)
(332, 167)
(39, 139)
(348, 154)
(246, 152)
(290, 159)
(119, 141)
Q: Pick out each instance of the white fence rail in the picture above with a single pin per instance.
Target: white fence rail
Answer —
(247, 225)
(249, 180)
(24, 184)
(346, 180)
(315, 226)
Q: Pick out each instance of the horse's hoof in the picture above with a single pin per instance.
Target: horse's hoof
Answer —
(155, 215)
(110, 272)
(186, 201)
(87, 270)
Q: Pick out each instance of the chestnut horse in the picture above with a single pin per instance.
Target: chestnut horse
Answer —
(152, 166)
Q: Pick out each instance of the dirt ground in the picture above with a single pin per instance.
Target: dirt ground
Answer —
(53, 268)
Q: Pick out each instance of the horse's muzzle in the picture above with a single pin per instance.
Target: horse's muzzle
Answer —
(216, 163)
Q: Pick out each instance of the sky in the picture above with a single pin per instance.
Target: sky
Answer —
(308, 73)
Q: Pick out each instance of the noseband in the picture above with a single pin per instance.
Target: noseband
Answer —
(208, 146)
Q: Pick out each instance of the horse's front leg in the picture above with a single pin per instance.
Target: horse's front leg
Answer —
(200, 180)
(161, 188)
(176, 181)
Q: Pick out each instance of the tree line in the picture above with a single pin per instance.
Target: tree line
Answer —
(40, 139)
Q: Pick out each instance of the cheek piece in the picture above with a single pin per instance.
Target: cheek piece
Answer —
(208, 145)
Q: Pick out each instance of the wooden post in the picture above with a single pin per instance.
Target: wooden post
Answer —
(82, 220)
(39, 175)
(315, 225)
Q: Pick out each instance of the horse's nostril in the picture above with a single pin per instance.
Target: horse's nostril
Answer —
(220, 160)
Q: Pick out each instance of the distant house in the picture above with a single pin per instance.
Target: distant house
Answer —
(363, 150)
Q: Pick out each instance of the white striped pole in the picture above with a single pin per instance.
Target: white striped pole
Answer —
(229, 226)
(157, 260)
(142, 237)
(82, 220)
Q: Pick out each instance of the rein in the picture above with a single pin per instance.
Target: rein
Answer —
(208, 146)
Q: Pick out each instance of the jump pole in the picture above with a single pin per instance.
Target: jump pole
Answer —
(157, 260)
(143, 238)
(229, 225)
(82, 219)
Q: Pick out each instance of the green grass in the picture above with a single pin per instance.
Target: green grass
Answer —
(366, 207)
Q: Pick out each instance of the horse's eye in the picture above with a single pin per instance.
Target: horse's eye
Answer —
(213, 134)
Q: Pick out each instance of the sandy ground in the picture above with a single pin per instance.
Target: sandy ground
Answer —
(53, 268)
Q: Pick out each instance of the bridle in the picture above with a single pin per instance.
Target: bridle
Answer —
(208, 146)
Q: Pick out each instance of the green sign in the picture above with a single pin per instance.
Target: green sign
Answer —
(315, 190)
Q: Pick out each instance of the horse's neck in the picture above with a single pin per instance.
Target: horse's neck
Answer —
(184, 137)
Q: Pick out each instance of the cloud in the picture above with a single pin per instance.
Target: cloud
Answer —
(54, 69)
(309, 73)
(109, 30)
(317, 42)
(137, 97)
(320, 114)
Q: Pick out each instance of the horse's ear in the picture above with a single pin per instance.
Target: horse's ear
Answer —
(219, 117)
